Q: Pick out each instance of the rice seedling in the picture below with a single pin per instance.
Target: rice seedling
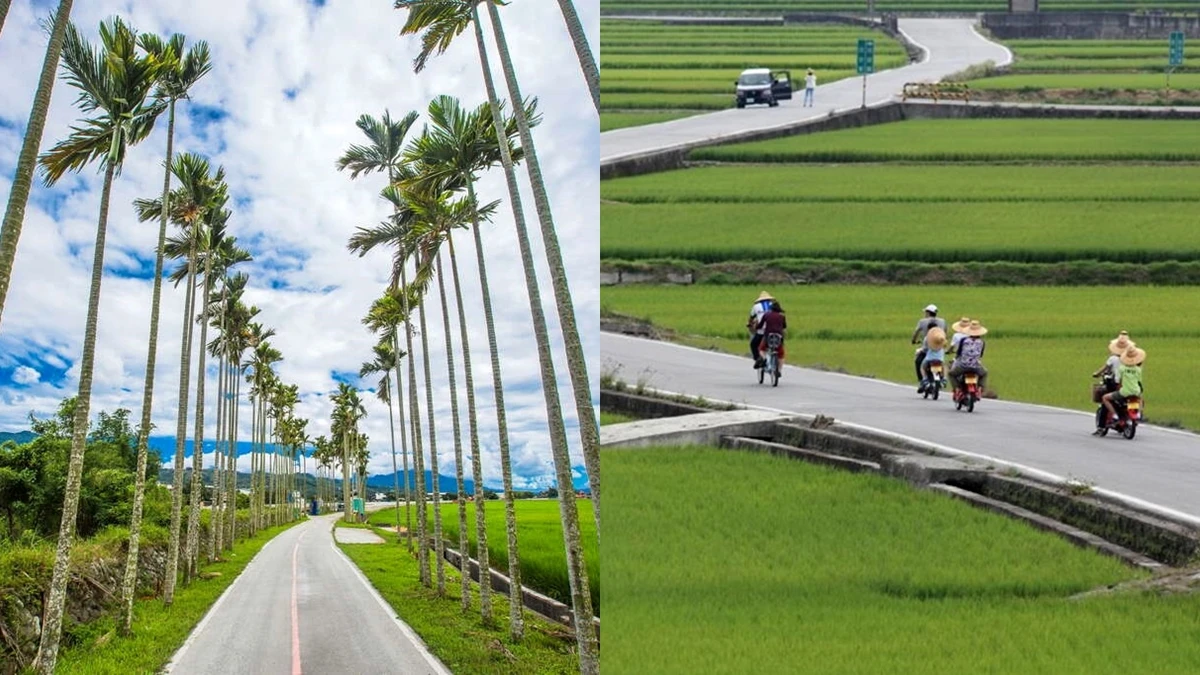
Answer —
(729, 562)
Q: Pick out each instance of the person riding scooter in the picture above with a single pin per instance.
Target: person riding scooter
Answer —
(935, 350)
(930, 320)
(757, 310)
(1130, 377)
(970, 357)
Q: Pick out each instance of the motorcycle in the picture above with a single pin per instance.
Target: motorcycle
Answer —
(1126, 421)
(934, 384)
(770, 362)
(968, 394)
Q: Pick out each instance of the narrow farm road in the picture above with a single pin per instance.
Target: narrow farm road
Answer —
(950, 45)
(302, 607)
(1157, 470)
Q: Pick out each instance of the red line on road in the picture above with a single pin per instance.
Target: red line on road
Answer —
(295, 613)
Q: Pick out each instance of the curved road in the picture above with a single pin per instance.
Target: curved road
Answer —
(950, 45)
(301, 606)
(1157, 470)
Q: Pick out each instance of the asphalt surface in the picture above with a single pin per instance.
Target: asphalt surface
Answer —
(1157, 469)
(302, 607)
(950, 45)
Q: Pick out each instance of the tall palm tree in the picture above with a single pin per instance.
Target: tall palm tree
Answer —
(4, 11)
(180, 70)
(457, 146)
(386, 360)
(114, 83)
(385, 318)
(14, 212)
(440, 21)
(587, 62)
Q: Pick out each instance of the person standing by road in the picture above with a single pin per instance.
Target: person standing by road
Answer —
(810, 86)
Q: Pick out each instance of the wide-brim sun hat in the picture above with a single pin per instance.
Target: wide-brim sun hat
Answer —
(765, 296)
(961, 326)
(976, 329)
(1133, 355)
(1118, 345)
(936, 338)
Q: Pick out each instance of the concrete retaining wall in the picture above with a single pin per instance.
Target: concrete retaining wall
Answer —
(1090, 26)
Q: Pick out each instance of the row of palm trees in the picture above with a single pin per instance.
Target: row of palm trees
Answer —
(125, 85)
(431, 188)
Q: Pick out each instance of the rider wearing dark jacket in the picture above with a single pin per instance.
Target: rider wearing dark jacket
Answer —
(774, 321)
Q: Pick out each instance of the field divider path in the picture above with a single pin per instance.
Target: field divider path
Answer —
(949, 45)
(1155, 473)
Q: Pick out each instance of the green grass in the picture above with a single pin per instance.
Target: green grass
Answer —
(979, 141)
(614, 418)
(950, 232)
(847, 573)
(539, 537)
(803, 183)
(1114, 81)
(620, 120)
(463, 643)
(1058, 333)
(158, 631)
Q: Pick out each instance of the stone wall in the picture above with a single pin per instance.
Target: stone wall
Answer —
(1090, 26)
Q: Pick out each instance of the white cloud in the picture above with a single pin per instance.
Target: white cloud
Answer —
(25, 375)
(289, 80)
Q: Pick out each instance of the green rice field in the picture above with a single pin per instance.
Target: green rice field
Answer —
(850, 573)
(979, 141)
(1060, 333)
(776, 7)
(539, 539)
(647, 66)
(1105, 81)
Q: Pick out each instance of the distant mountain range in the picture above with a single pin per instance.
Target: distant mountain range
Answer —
(20, 437)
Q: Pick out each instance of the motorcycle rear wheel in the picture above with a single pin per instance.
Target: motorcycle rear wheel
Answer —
(970, 404)
(935, 393)
(1129, 430)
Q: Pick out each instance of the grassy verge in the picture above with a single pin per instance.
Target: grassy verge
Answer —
(1059, 333)
(860, 574)
(619, 119)
(614, 418)
(158, 631)
(539, 539)
(461, 641)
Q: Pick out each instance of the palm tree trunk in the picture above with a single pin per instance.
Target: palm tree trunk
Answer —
(129, 586)
(216, 521)
(395, 468)
(418, 450)
(198, 442)
(481, 543)
(463, 547)
(346, 476)
(581, 600)
(254, 490)
(3, 11)
(18, 197)
(52, 623)
(589, 432)
(587, 62)
(433, 465)
(185, 360)
(235, 406)
(403, 442)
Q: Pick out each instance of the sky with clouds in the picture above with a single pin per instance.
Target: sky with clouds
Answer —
(289, 80)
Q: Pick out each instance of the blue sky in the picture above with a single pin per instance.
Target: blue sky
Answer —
(290, 78)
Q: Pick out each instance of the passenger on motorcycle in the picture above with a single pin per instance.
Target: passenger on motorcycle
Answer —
(757, 310)
(1111, 369)
(935, 350)
(1130, 377)
(970, 357)
(960, 331)
(930, 320)
(773, 322)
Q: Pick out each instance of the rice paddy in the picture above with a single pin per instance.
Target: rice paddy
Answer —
(681, 70)
(849, 573)
(778, 7)
(1059, 333)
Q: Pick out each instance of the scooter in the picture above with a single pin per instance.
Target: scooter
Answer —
(967, 395)
(1128, 416)
(931, 386)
